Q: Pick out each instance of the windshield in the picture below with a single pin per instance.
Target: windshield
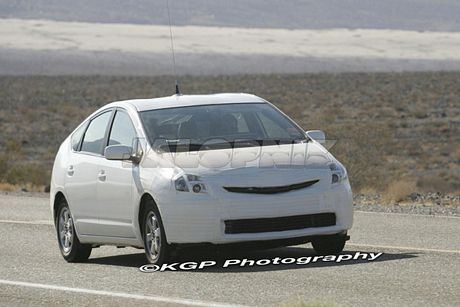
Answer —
(207, 127)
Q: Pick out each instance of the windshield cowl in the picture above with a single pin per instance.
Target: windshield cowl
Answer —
(189, 146)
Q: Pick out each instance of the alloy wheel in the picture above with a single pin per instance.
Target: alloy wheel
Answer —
(66, 234)
(153, 236)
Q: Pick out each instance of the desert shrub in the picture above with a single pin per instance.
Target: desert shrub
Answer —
(362, 147)
(13, 147)
(434, 184)
(399, 190)
(8, 187)
(27, 173)
(21, 187)
(15, 169)
(3, 164)
(363, 111)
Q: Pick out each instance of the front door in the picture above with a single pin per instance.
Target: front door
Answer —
(116, 183)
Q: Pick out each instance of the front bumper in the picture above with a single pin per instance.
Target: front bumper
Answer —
(200, 218)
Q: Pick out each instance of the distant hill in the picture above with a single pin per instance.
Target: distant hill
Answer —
(421, 15)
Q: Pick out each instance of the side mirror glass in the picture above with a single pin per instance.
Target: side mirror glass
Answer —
(118, 152)
(317, 135)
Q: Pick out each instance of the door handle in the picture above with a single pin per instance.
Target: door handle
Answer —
(70, 170)
(102, 175)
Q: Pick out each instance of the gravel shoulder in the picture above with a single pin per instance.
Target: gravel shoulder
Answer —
(425, 204)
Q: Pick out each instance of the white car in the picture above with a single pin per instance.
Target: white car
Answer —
(196, 169)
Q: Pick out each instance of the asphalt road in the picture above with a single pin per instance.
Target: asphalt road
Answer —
(420, 266)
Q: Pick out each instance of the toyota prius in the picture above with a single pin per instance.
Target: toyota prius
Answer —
(222, 169)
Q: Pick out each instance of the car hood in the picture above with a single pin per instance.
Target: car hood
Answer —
(279, 164)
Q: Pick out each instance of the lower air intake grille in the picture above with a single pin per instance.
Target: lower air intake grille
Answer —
(280, 223)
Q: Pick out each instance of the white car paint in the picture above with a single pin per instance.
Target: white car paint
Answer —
(104, 195)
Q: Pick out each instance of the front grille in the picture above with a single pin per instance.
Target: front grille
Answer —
(272, 190)
(280, 223)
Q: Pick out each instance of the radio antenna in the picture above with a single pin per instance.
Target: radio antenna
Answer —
(172, 50)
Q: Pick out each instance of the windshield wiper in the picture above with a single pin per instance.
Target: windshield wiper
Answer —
(180, 147)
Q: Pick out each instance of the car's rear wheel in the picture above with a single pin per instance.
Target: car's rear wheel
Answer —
(71, 248)
(156, 247)
(330, 245)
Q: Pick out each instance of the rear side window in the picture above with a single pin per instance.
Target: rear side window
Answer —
(76, 137)
(123, 132)
(94, 136)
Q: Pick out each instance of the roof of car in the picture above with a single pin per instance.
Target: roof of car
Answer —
(191, 100)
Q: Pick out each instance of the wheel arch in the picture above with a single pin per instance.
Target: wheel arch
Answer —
(144, 201)
(57, 200)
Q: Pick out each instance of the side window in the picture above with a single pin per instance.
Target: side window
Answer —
(123, 132)
(273, 130)
(94, 136)
(76, 137)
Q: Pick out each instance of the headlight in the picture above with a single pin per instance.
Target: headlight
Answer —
(181, 184)
(186, 183)
(338, 172)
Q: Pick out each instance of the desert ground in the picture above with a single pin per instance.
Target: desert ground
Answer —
(365, 43)
(47, 47)
(380, 78)
(395, 132)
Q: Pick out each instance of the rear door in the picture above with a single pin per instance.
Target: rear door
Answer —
(82, 174)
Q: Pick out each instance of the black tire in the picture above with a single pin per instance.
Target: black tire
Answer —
(75, 251)
(329, 245)
(153, 231)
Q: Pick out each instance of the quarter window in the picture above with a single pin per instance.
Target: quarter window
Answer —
(94, 136)
(76, 137)
(272, 127)
(123, 132)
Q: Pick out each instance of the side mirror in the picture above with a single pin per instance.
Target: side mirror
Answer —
(118, 152)
(317, 135)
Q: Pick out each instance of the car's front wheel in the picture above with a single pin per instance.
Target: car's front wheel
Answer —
(330, 245)
(156, 247)
(71, 248)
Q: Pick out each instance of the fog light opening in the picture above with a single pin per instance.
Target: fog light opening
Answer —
(335, 178)
(196, 188)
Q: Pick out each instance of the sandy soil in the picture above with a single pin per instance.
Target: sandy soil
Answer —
(339, 43)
